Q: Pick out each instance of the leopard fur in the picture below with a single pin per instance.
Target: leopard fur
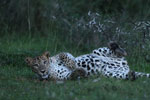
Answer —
(103, 61)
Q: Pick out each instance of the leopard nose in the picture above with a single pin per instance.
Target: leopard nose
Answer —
(42, 71)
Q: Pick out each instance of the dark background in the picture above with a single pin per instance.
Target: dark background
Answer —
(126, 22)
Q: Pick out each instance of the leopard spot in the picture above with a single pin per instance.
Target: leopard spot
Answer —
(96, 60)
(94, 51)
(84, 65)
(103, 66)
(78, 64)
(113, 64)
(123, 63)
(59, 64)
(92, 64)
(107, 63)
(104, 69)
(88, 67)
(116, 62)
(103, 55)
(88, 62)
(91, 60)
(86, 59)
(67, 75)
(109, 66)
(88, 73)
(118, 65)
(110, 74)
(104, 51)
(98, 54)
(104, 62)
(92, 71)
(100, 50)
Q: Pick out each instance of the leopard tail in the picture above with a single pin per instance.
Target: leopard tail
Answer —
(134, 75)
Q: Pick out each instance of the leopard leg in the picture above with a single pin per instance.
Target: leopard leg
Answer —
(113, 50)
(116, 49)
(78, 73)
(68, 60)
(131, 75)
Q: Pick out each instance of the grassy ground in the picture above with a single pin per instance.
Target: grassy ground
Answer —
(18, 82)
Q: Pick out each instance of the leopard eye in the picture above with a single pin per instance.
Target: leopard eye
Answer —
(35, 65)
(45, 62)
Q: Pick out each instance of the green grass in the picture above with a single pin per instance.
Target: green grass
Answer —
(18, 82)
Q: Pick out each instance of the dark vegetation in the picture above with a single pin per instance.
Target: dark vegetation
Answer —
(30, 27)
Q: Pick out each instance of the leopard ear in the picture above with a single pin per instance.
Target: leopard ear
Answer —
(113, 45)
(46, 54)
(29, 60)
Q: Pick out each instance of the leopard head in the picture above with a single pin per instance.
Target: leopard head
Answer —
(40, 65)
(117, 49)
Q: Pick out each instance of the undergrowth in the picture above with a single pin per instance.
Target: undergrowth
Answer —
(17, 81)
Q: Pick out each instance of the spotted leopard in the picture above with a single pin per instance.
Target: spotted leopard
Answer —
(106, 61)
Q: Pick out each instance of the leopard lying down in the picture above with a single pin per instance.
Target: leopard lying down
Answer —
(64, 66)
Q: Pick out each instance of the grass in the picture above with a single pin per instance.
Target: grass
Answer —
(18, 82)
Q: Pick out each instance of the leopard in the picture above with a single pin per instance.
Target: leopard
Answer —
(53, 68)
(108, 61)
